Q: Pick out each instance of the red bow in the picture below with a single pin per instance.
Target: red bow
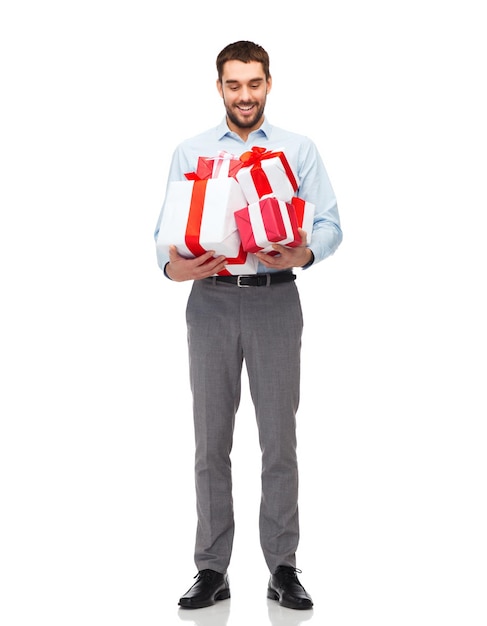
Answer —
(255, 155)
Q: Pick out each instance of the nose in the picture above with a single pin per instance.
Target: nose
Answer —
(245, 93)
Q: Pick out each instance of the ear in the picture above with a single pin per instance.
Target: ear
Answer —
(269, 85)
(219, 87)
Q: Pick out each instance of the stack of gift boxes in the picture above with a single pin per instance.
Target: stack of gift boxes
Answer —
(235, 206)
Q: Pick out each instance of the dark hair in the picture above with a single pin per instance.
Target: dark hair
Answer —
(245, 51)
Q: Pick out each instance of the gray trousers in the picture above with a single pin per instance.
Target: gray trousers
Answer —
(262, 326)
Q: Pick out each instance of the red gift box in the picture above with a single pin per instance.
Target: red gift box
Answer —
(266, 222)
(305, 212)
(266, 173)
(221, 166)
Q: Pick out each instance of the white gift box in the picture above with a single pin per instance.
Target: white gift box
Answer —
(267, 173)
(199, 216)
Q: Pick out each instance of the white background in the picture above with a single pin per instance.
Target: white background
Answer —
(96, 445)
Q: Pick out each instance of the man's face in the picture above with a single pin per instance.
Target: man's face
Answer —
(244, 90)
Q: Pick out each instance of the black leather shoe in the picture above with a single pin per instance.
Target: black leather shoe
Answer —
(285, 587)
(209, 587)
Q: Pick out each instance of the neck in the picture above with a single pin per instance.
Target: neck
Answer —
(243, 133)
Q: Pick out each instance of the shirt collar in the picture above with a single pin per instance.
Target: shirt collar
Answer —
(264, 130)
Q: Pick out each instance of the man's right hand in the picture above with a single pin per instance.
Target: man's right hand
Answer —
(180, 268)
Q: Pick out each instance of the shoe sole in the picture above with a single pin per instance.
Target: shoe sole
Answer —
(273, 595)
(221, 595)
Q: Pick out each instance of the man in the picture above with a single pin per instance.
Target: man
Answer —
(257, 319)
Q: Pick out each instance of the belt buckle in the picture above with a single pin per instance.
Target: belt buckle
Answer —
(238, 280)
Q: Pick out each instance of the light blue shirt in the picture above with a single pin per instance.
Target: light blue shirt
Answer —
(302, 155)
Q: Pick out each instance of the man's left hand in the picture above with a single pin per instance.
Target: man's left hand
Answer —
(287, 257)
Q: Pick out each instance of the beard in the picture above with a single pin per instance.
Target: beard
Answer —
(247, 122)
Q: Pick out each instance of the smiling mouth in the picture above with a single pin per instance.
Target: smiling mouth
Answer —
(245, 109)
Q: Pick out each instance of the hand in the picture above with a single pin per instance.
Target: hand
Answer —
(180, 268)
(288, 257)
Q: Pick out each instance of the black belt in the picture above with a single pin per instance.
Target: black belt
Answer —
(256, 280)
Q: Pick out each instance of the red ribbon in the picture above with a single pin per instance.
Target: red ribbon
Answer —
(193, 227)
(273, 220)
(299, 205)
(236, 260)
(193, 176)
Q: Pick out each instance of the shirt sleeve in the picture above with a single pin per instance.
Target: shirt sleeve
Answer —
(315, 187)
